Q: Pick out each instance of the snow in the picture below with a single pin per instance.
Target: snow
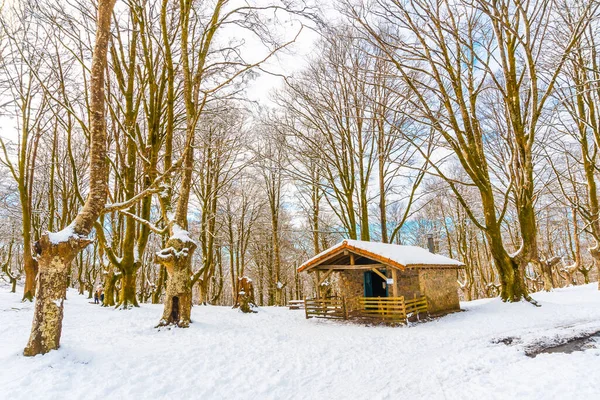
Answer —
(405, 255)
(181, 234)
(278, 354)
(61, 236)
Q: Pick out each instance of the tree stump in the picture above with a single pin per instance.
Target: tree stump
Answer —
(245, 295)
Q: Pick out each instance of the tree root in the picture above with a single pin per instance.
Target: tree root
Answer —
(531, 300)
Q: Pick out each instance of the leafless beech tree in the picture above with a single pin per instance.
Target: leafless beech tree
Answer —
(57, 250)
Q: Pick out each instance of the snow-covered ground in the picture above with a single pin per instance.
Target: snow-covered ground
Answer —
(277, 354)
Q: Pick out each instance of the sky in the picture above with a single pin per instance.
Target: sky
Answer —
(287, 61)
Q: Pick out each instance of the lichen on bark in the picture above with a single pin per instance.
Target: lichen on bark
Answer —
(54, 262)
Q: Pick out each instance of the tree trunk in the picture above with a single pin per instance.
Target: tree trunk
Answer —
(510, 270)
(6, 269)
(52, 282)
(56, 251)
(277, 262)
(30, 266)
(177, 259)
(80, 280)
(127, 295)
(382, 202)
(586, 275)
(513, 285)
(109, 288)
(159, 285)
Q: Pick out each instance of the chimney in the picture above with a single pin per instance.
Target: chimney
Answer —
(430, 243)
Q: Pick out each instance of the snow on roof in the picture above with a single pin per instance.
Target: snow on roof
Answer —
(394, 254)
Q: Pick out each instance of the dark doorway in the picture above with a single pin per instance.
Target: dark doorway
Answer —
(375, 286)
(175, 310)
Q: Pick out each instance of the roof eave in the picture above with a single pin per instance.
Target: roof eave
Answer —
(345, 246)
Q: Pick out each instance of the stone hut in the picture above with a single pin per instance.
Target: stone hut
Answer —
(371, 270)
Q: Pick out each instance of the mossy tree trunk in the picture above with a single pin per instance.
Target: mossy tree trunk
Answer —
(30, 265)
(177, 260)
(127, 294)
(125, 65)
(110, 283)
(510, 269)
(583, 104)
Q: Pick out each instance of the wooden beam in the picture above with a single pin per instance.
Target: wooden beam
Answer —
(326, 258)
(351, 259)
(325, 277)
(318, 286)
(379, 273)
(395, 284)
(342, 266)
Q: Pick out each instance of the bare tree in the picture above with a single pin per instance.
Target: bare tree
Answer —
(57, 250)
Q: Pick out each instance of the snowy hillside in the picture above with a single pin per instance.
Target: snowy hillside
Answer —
(277, 354)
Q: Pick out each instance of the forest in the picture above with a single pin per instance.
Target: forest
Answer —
(169, 152)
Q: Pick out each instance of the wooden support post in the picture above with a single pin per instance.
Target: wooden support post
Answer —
(351, 259)
(305, 309)
(395, 284)
(318, 284)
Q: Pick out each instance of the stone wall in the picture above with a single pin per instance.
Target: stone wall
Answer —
(441, 289)
(408, 284)
(351, 283)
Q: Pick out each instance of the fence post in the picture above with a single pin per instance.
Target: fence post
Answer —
(344, 309)
(305, 308)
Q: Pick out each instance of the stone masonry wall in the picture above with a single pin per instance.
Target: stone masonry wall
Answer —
(408, 284)
(441, 289)
(351, 283)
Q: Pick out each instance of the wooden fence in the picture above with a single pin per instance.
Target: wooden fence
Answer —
(325, 308)
(416, 306)
(385, 309)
